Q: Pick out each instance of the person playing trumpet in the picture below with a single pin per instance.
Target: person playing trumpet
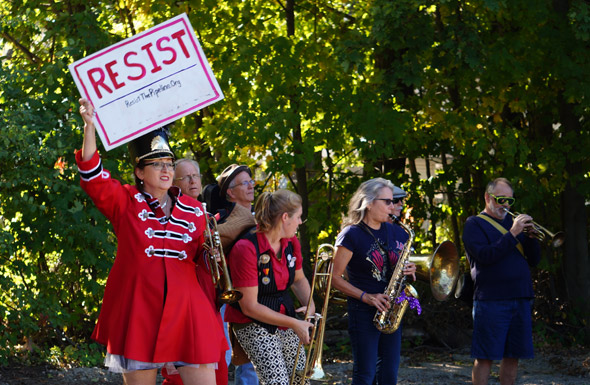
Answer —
(500, 254)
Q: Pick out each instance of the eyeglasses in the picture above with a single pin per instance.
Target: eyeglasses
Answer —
(245, 183)
(189, 178)
(391, 201)
(161, 165)
(502, 200)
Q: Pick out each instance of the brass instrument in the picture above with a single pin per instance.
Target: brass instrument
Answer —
(388, 321)
(322, 281)
(219, 271)
(441, 269)
(541, 233)
(313, 364)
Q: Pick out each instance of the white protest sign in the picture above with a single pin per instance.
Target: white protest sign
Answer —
(146, 81)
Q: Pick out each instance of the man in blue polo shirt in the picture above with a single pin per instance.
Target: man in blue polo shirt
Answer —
(499, 255)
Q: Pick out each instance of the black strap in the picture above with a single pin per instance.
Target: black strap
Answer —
(382, 248)
(274, 298)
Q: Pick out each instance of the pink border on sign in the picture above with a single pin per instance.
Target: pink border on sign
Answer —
(182, 20)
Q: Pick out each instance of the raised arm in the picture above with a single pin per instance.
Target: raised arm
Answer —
(89, 143)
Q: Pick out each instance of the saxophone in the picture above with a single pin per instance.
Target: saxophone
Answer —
(388, 321)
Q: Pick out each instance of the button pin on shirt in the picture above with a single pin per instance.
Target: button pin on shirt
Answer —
(264, 258)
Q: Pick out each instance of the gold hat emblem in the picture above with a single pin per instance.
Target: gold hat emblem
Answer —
(158, 143)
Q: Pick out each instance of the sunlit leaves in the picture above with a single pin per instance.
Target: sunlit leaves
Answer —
(480, 88)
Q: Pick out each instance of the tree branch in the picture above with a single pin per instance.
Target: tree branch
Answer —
(281, 4)
(32, 57)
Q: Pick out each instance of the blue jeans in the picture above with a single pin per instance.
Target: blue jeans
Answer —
(225, 330)
(376, 355)
(246, 375)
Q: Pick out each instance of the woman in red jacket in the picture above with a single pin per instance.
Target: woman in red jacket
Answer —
(149, 317)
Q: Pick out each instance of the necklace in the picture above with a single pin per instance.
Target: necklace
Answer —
(165, 203)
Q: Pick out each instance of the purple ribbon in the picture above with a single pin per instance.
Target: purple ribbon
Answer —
(412, 302)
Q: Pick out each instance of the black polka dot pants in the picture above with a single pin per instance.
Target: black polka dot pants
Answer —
(272, 355)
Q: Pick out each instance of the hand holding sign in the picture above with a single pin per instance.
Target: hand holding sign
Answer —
(87, 111)
(89, 144)
(146, 81)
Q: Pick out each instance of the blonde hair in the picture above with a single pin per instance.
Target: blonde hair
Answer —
(366, 193)
(270, 206)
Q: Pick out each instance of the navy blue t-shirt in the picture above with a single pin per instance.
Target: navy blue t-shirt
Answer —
(367, 269)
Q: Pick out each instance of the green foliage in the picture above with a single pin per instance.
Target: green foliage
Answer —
(91, 355)
(356, 90)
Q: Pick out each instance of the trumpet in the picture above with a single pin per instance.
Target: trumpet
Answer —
(313, 364)
(219, 270)
(539, 232)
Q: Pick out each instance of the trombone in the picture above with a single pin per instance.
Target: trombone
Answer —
(313, 364)
(219, 271)
(541, 233)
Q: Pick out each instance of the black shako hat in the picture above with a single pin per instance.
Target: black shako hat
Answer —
(228, 175)
(152, 145)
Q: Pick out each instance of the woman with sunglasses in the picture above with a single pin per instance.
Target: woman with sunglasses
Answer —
(367, 250)
(153, 310)
(500, 256)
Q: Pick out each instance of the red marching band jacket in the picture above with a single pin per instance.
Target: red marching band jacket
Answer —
(154, 309)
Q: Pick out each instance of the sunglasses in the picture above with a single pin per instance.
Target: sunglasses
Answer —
(502, 200)
(391, 201)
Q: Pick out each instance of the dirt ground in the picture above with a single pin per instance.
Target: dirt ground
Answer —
(455, 368)
(420, 366)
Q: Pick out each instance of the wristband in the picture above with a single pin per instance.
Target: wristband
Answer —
(361, 299)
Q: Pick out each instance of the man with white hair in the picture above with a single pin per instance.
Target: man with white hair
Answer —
(187, 176)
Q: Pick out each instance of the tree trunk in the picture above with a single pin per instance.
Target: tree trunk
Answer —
(576, 263)
(300, 172)
(452, 202)
(430, 203)
(302, 190)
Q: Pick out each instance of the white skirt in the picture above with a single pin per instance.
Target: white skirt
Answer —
(120, 364)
